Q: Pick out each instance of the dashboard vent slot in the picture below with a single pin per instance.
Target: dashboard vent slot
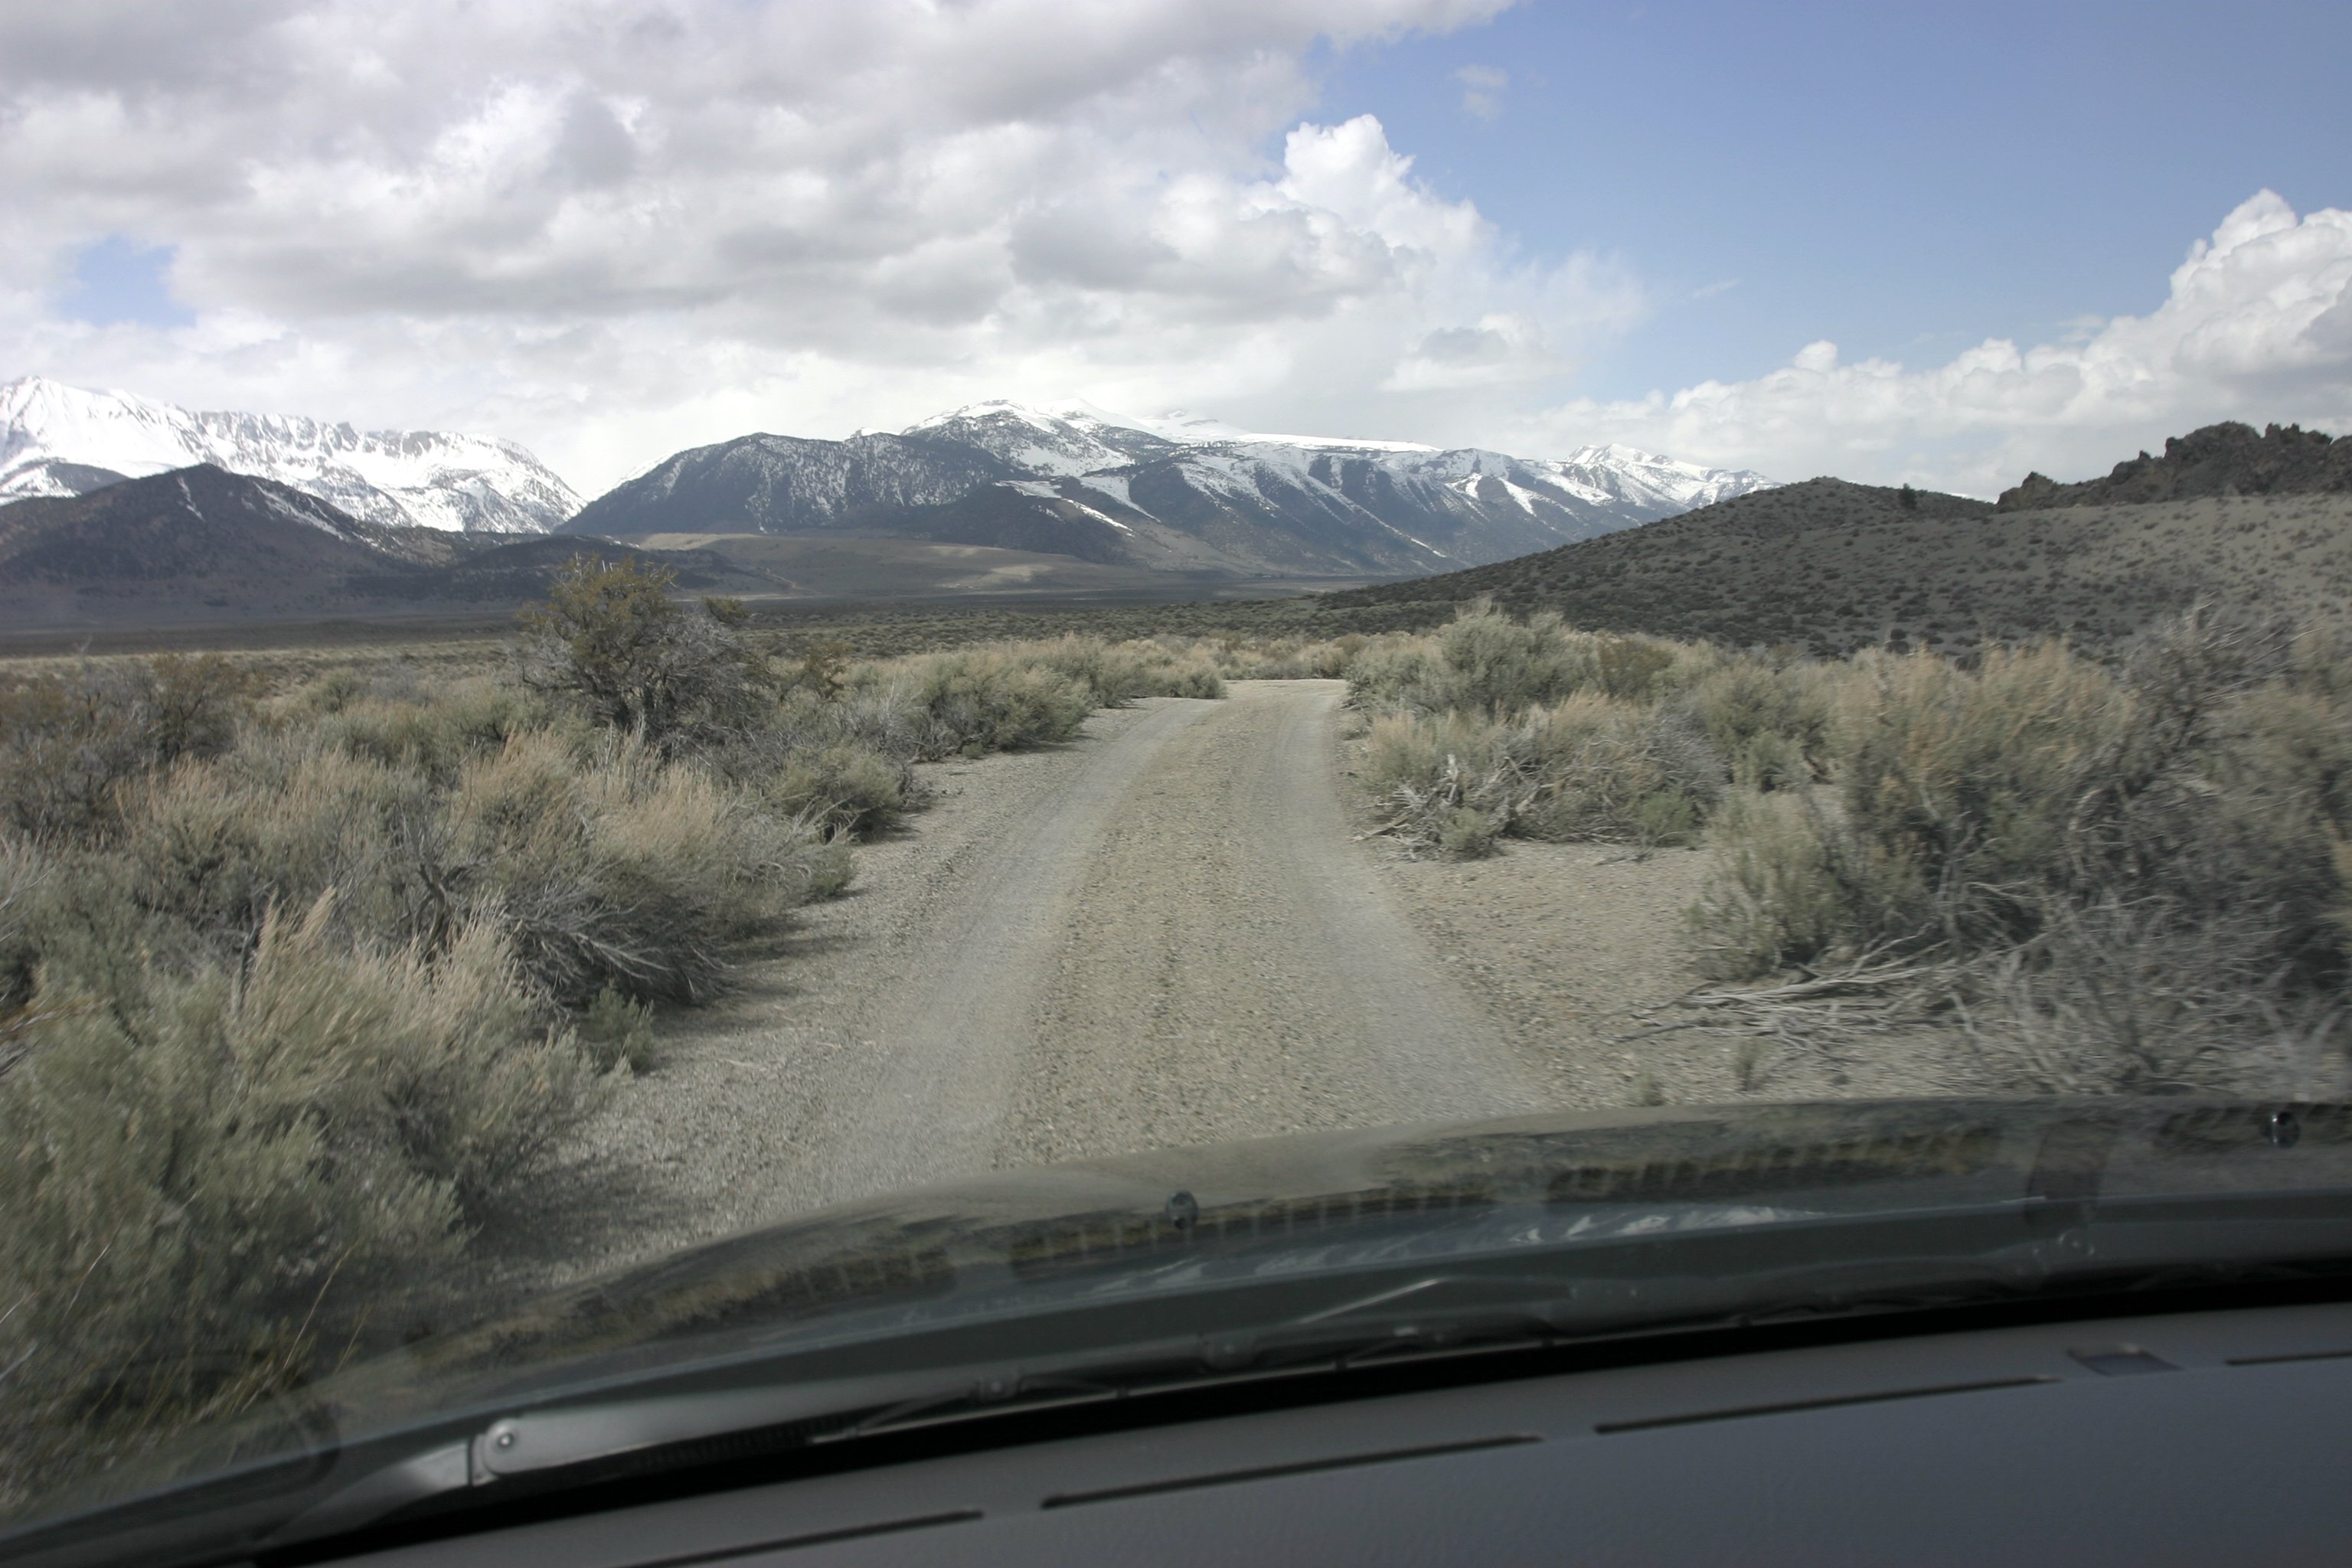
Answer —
(1742, 1411)
(815, 1537)
(1270, 1472)
(2121, 1360)
(2290, 1355)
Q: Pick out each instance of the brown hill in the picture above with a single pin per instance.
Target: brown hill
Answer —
(1831, 566)
(198, 524)
(203, 544)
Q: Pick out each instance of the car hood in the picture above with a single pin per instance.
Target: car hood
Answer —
(1158, 1234)
(1612, 1174)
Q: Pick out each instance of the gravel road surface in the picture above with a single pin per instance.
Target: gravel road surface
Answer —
(1161, 933)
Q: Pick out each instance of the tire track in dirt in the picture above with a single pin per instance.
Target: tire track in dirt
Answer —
(1231, 965)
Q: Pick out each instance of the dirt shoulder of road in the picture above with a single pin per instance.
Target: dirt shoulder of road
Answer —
(1579, 953)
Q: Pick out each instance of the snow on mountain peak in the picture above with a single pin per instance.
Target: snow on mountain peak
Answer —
(57, 439)
(1071, 438)
(1066, 440)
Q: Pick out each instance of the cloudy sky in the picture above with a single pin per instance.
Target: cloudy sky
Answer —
(1935, 244)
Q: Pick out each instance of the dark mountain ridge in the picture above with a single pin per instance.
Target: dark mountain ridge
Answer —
(203, 523)
(786, 484)
(201, 540)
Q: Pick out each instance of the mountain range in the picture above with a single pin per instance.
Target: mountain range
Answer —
(2258, 521)
(60, 440)
(1178, 493)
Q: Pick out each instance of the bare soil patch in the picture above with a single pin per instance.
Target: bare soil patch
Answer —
(1577, 951)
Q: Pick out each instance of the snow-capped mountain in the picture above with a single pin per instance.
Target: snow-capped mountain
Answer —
(64, 440)
(1068, 438)
(783, 484)
(1179, 492)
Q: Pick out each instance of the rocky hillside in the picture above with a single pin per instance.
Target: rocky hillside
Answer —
(199, 526)
(1831, 567)
(2226, 460)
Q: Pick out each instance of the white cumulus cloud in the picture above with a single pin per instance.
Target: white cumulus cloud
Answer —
(2257, 325)
(607, 227)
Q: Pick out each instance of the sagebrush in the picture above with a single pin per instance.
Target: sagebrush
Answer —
(297, 979)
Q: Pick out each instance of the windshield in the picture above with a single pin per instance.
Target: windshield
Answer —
(736, 698)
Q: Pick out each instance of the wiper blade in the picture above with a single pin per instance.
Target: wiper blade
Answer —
(560, 1438)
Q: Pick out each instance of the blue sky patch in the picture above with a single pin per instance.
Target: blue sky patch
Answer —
(118, 281)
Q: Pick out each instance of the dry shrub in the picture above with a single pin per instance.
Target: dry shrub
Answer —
(1627, 669)
(849, 787)
(435, 735)
(2125, 878)
(1610, 771)
(1396, 674)
(1403, 751)
(24, 875)
(70, 742)
(616, 1032)
(611, 640)
(1496, 664)
(213, 846)
(977, 700)
(628, 869)
(1485, 661)
(1792, 888)
(1771, 723)
(616, 866)
(1288, 658)
(1986, 778)
(842, 760)
(1589, 769)
(2150, 997)
(207, 1170)
(1482, 662)
(1116, 674)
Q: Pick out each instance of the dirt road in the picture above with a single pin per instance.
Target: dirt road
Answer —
(1162, 933)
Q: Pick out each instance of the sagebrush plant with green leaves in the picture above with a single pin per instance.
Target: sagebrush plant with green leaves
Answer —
(612, 637)
(1539, 730)
(2120, 875)
(296, 983)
